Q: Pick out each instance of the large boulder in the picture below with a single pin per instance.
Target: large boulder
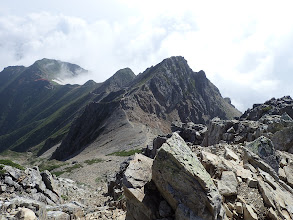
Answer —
(233, 131)
(228, 184)
(49, 182)
(190, 132)
(283, 140)
(141, 203)
(271, 107)
(264, 148)
(184, 183)
(25, 214)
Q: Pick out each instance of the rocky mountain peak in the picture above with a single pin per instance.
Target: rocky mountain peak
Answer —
(119, 80)
(170, 91)
(56, 70)
(122, 77)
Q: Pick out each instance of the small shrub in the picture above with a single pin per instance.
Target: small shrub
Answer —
(50, 167)
(90, 162)
(64, 197)
(11, 163)
(75, 166)
(120, 197)
(125, 153)
(98, 179)
(267, 108)
(58, 173)
(67, 169)
(2, 171)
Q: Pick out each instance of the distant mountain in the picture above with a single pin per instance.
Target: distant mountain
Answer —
(146, 106)
(36, 111)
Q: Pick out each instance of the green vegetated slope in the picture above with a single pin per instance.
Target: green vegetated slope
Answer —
(33, 107)
(36, 112)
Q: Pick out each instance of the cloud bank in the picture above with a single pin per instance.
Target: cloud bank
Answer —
(245, 49)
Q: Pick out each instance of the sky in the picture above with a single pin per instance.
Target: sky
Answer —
(244, 47)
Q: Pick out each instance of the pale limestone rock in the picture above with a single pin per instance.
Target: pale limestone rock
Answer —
(244, 173)
(239, 207)
(230, 155)
(282, 174)
(57, 215)
(25, 214)
(283, 162)
(140, 205)
(249, 213)
(228, 184)
(286, 215)
(289, 174)
(230, 206)
(138, 172)
(275, 194)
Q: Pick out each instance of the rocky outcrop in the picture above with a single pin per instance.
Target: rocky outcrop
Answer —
(173, 185)
(232, 179)
(271, 107)
(240, 131)
(190, 132)
(31, 194)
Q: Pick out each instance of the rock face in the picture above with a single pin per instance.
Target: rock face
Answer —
(283, 139)
(167, 92)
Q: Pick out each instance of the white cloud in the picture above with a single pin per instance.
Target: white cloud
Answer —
(244, 48)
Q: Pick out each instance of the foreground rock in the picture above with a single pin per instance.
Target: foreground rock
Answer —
(31, 194)
(176, 183)
(184, 182)
(221, 181)
(140, 204)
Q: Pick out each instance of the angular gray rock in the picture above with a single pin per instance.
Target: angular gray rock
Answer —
(49, 181)
(140, 204)
(25, 214)
(289, 174)
(283, 139)
(264, 148)
(57, 215)
(183, 181)
(228, 184)
(190, 132)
